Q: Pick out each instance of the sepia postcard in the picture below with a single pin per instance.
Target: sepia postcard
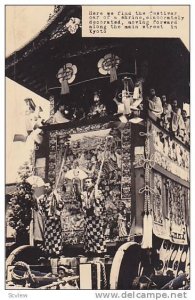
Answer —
(97, 183)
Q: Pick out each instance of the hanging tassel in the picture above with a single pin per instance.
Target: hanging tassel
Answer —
(64, 87)
(144, 239)
(113, 74)
(147, 231)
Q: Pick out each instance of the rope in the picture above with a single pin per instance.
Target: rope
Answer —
(27, 274)
(104, 279)
(91, 79)
(147, 163)
(57, 283)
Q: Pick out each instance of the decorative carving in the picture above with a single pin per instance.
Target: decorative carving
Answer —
(71, 26)
(177, 211)
(173, 257)
(126, 162)
(29, 50)
(169, 209)
(52, 156)
(169, 153)
(106, 63)
(158, 200)
(67, 72)
(147, 162)
(85, 152)
(57, 10)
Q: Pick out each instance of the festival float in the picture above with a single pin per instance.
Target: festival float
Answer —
(140, 167)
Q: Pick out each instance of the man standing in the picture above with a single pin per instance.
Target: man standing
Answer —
(177, 123)
(155, 104)
(92, 203)
(51, 205)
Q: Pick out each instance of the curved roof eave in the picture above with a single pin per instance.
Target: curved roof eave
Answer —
(51, 24)
(27, 53)
(35, 37)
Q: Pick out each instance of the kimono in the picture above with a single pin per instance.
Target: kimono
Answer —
(166, 116)
(51, 207)
(93, 207)
(156, 106)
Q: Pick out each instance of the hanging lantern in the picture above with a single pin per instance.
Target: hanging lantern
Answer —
(66, 75)
(108, 65)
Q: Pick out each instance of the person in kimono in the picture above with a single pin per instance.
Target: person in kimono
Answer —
(50, 206)
(92, 204)
(166, 115)
(155, 104)
(186, 120)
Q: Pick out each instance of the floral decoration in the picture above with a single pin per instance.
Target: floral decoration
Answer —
(67, 72)
(108, 62)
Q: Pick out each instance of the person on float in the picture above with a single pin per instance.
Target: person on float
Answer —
(92, 204)
(166, 115)
(50, 206)
(97, 108)
(60, 115)
(155, 104)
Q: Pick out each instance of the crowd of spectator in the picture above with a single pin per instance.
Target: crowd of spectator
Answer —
(170, 116)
